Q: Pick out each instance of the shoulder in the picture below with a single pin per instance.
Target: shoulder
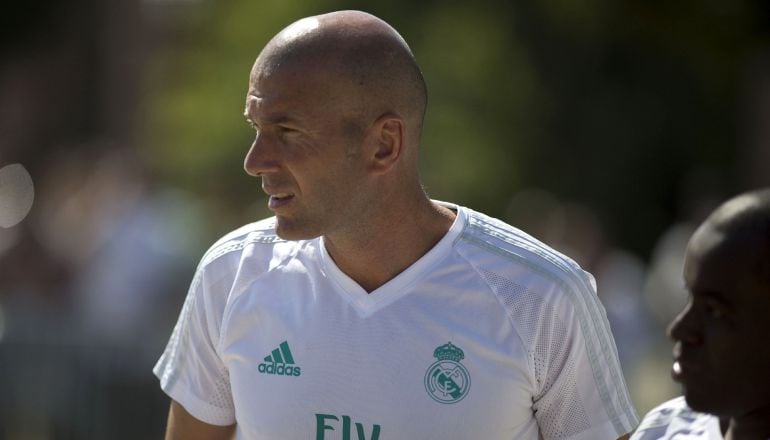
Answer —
(530, 278)
(494, 246)
(235, 241)
(234, 260)
(255, 242)
(553, 306)
(674, 416)
(667, 411)
(538, 286)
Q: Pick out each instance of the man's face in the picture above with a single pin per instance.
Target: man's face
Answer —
(306, 150)
(722, 357)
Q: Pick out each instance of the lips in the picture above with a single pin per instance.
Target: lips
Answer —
(684, 369)
(280, 191)
(680, 367)
(279, 200)
(676, 371)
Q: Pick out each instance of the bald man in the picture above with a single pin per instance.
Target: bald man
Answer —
(721, 354)
(363, 309)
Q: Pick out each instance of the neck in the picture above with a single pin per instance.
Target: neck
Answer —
(388, 242)
(751, 426)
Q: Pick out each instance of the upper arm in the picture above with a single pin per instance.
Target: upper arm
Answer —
(182, 425)
(581, 391)
(191, 370)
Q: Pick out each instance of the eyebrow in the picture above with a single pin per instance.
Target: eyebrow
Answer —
(277, 118)
(713, 295)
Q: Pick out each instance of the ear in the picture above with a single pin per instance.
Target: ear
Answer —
(386, 140)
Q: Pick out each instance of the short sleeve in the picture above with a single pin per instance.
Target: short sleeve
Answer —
(191, 370)
(580, 390)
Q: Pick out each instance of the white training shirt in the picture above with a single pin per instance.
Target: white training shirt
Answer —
(674, 420)
(490, 335)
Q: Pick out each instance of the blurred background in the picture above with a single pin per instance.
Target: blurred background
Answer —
(606, 128)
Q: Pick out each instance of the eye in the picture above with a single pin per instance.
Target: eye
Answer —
(288, 134)
(715, 310)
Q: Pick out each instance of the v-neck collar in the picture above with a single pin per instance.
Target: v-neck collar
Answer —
(368, 303)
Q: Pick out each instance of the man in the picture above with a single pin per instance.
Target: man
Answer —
(721, 355)
(363, 309)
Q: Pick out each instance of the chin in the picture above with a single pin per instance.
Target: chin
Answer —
(291, 231)
(696, 403)
(707, 401)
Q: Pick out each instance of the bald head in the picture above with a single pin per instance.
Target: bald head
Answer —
(745, 221)
(373, 70)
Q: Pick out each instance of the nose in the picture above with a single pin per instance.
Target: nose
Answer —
(261, 158)
(685, 327)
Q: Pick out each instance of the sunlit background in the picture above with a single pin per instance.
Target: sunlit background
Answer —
(606, 128)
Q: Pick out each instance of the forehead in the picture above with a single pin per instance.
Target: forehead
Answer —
(275, 77)
(287, 61)
(724, 265)
(284, 90)
(303, 89)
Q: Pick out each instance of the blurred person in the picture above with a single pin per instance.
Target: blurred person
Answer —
(120, 238)
(365, 306)
(720, 355)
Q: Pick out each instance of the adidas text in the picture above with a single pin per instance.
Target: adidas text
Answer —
(280, 369)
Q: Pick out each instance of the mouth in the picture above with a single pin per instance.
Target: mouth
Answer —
(676, 371)
(683, 370)
(677, 368)
(279, 200)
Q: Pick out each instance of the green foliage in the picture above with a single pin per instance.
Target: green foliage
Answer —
(608, 104)
(197, 134)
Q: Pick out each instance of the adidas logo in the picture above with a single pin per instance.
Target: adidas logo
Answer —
(280, 362)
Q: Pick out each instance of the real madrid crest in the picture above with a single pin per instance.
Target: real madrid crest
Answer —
(447, 380)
